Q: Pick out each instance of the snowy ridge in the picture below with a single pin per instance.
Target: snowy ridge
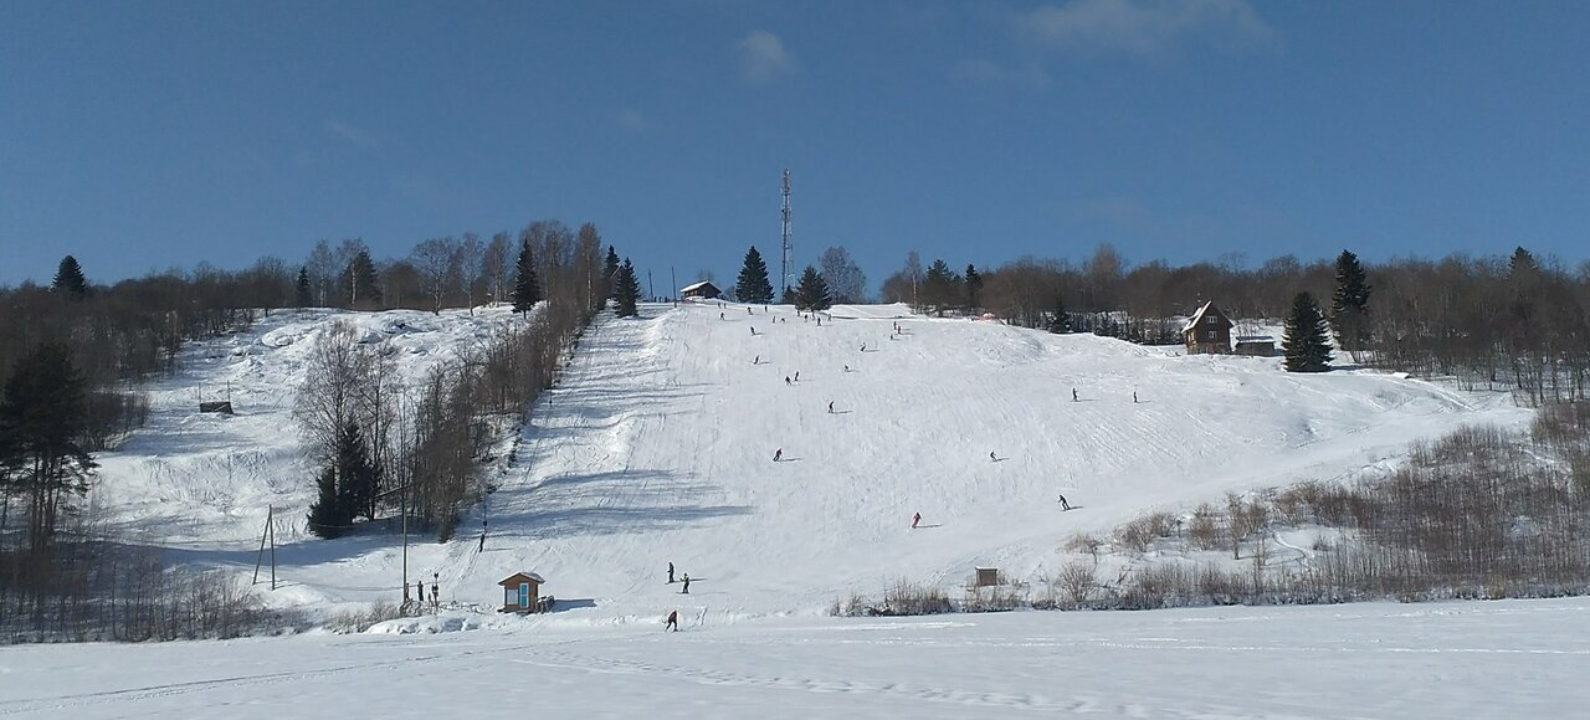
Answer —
(657, 446)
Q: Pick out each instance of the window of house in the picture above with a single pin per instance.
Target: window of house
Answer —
(1212, 320)
(1213, 335)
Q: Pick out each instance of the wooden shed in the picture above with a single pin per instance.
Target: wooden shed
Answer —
(521, 593)
(1256, 345)
(1208, 331)
(985, 577)
(703, 290)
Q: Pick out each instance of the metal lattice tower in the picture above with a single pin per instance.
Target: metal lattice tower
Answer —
(788, 248)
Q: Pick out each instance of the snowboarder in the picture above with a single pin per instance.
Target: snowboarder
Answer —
(756, 360)
(778, 454)
(1074, 395)
(673, 621)
(670, 573)
(686, 578)
(1063, 504)
(830, 407)
(915, 519)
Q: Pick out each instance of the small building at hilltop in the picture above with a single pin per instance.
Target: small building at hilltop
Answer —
(521, 593)
(703, 290)
(1208, 331)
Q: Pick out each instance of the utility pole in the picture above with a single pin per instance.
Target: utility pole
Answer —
(650, 288)
(270, 535)
(788, 248)
(674, 279)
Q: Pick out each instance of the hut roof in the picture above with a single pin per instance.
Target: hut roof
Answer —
(521, 576)
(698, 286)
(1198, 316)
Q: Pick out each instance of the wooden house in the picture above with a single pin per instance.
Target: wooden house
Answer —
(703, 290)
(1208, 332)
(521, 593)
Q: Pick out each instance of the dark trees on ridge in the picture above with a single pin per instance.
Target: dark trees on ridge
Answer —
(753, 285)
(1306, 344)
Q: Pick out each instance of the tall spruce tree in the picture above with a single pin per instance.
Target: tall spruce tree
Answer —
(610, 268)
(753, 286)
(360, 283)
(358, 479)
(69, 280)
(627, 293)
(328, 517)
(1306, 344)
(974, 287)
(42, 418)
(1059, 317)
(1350, 303)
(302, 295)
(811, 293)
(941, 287)
(526, 287)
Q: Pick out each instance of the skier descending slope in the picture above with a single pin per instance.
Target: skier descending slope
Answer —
(778, 454)
(917, 518)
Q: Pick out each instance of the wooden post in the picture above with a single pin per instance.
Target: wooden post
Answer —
(270, 524)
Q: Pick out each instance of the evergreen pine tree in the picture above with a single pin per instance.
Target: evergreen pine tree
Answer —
(753, 286)
(526, 288)
(326, 517)
(42, 418)
(974, 287)
(1306, 343)
(789, 297)
(302, 296)
(941, 288)
(811, 293)
(359, 281)
(1520, 265)
(628, 290)
(1350, 303)
(358, 479)
(1059, 318)
(69, 280)
(610, 269)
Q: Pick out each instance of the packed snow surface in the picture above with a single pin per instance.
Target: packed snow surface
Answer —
(658, 446)
(1476, 661)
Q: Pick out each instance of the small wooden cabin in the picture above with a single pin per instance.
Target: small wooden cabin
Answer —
(521, 593)
(703, 290)
(223, 407)
(1256, 345)
(986, 577)
(1208, 331)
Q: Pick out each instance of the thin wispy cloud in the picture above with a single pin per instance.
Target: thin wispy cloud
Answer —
(988, 73)
(632, 121)
(1146, 27)
(350, 133)
(763, 57)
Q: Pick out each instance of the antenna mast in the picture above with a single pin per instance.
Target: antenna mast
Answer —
(788, 248)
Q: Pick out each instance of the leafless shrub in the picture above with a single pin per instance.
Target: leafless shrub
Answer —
(1077, 580)
(907, 598)
(358, 621)
(1203, 530)
(1084, 543)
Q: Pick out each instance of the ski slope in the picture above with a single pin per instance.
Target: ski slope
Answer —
(657, 446)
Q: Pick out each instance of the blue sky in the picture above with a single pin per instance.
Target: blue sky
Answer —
(143, 135)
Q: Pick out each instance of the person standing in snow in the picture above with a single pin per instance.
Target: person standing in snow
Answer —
(797, 376)
(993, 457)
(778, 454)
(786, 380)
(830, 407)
(1134, 397)
(673, 621)
(915, 519)
(670, 573)
(686, 578)
(720, 316)
(1074, 395)
(1063, 504)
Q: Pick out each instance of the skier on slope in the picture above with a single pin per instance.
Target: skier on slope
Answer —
(1074, 395)
(673, 621)
(778, 454)
(830, 407)
(915, 519)
(993, 457)
(1063, 504)
(670, 573)
(686, 578)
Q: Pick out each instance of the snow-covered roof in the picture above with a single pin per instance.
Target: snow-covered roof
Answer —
(1255, 338)
(522, 573)
(696, 286)
(1198, 317)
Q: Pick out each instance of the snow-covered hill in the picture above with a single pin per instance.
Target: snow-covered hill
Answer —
(657, 446)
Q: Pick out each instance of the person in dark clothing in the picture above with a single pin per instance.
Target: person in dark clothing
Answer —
(673, 621)
(1073, 394)
(1063, 504)
(686, 578)
(915, 519)
(778, 454)
(419, 585)
(670, 573)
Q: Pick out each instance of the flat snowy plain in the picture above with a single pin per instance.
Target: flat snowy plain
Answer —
(657, 446)
(1508, 659)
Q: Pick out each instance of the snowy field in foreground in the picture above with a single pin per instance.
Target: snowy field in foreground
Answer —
(1508, 659)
